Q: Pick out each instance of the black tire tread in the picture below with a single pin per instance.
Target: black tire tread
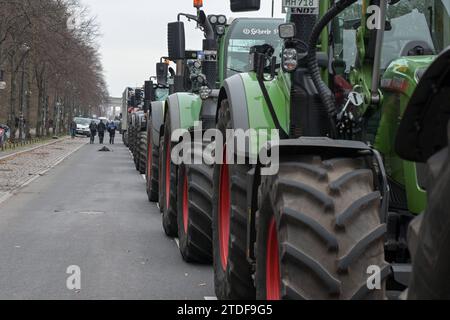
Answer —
(320, 258)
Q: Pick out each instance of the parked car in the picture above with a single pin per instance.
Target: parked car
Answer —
(83, 126)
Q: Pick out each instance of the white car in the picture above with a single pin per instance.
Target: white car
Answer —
(83, 126)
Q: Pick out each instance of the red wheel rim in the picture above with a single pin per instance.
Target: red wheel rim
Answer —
(224, 213)
(185, 204)
(168, 163)
(273, 278)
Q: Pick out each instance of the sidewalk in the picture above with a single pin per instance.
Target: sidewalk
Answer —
(19, 168)
(28, 147)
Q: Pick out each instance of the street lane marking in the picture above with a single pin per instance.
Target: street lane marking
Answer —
(211, 298)
(145, 178)
(177, 242)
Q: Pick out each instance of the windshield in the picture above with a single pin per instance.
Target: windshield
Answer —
(161, 94)
(409, 21)
(246, 33)
(82, 121)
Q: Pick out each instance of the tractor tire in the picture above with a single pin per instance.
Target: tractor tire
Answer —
(232, 271)
(130, 139)
(195, 185)
(136, 150)
(319, 231)
(430, 279)
(170, 180)
(161, 196)
(152, 166)
(125, 139)
(142, 152)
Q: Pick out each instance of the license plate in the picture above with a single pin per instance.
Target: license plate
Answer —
(301, 6)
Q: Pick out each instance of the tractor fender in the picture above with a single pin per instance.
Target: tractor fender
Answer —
(183, 109)
(249, 110)
(157, 117)
(233, 89)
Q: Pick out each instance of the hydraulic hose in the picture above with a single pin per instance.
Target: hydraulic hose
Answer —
(324, 92)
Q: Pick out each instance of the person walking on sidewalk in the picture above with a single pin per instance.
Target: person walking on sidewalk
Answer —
(101, 131)
(112, 132)
(93, 128)
(73, 129)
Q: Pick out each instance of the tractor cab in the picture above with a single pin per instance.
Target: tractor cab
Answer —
(243, 34)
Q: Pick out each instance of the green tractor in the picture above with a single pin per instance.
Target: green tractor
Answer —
(137, 130)
(168, 83)
(339, 207)
(156, 93)
(187, 187)
(133, 122)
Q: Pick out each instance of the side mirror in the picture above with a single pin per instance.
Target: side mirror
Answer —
(176, 40)
(245, 5)
(162, 70)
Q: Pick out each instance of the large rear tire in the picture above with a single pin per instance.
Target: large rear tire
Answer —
(195, 186)
(152, 166)
(125, 139)
(232, 271)
(169, 186)
(319, 231)
(161, 193)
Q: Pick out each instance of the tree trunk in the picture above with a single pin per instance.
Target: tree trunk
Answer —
(12, 100)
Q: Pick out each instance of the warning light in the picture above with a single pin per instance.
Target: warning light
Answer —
(198, 4)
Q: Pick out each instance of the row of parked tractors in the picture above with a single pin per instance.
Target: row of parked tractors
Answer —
(361, 116)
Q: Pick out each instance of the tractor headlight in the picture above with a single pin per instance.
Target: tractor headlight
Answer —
(220, 30)
(222, 19)
(290, 59)
(204, 92)
(213, 19)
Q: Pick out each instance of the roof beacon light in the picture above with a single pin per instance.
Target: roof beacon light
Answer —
(198, 4)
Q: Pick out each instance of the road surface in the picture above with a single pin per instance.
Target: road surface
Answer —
(91, 211)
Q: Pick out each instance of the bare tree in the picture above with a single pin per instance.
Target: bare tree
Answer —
(49, 47)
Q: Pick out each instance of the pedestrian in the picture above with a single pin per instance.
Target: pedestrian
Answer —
(73, 129)
(4, 134)
(101, 131)
(112, 132)
(93, 128)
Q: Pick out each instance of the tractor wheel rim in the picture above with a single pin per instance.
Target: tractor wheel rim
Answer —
(273, 278)
(224, 213)
(185, 204)
(168, 163)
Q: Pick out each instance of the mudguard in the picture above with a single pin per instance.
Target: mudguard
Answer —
(157, 121)
(183, 110)
(423, 130)
(250, 110)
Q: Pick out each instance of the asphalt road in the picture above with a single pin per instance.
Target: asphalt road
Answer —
(91, 211)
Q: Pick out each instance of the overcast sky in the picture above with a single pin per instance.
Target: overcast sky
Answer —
(134, 34)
